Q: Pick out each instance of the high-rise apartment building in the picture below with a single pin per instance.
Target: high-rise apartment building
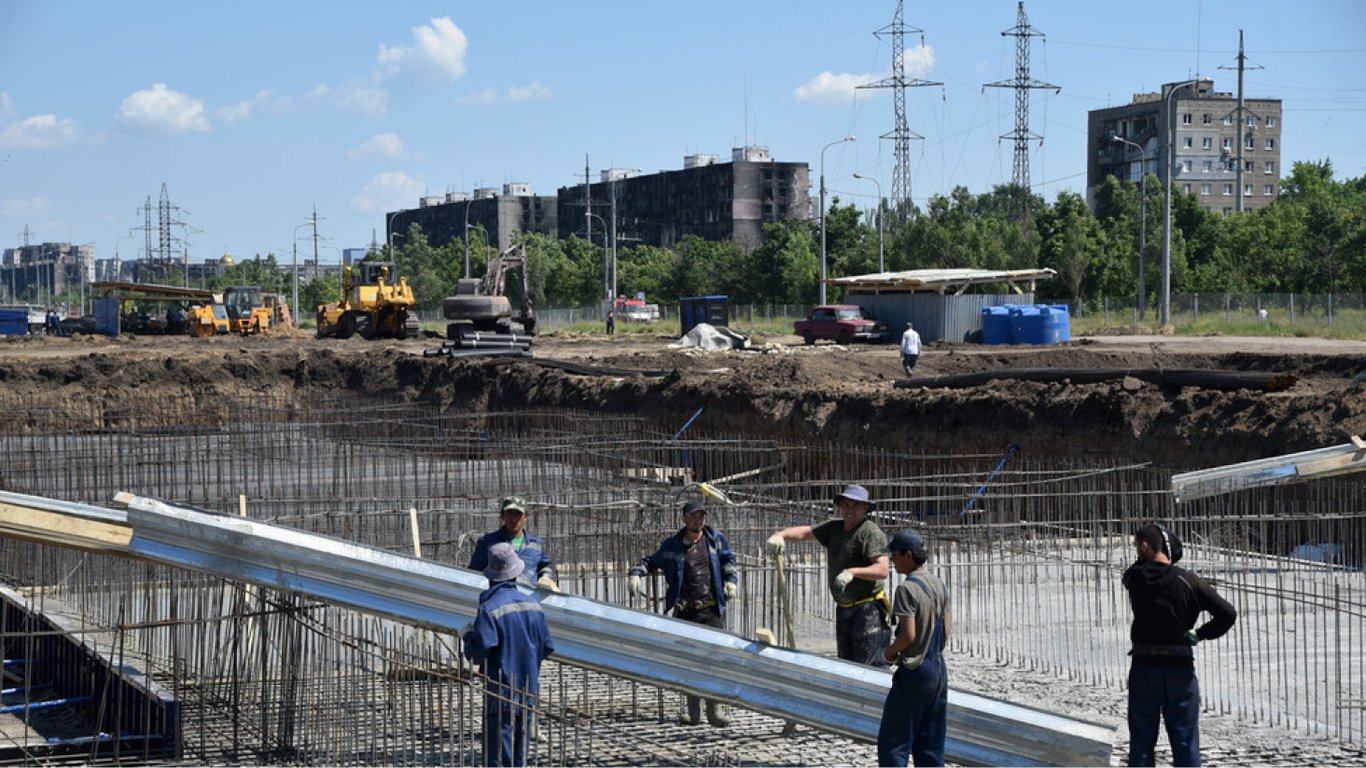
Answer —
(1229, 159)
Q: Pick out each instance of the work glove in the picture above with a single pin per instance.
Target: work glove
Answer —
(776, 542)
(1191, 637)
(730, 590)
(545, 582)
(842, 580)
(635, 585)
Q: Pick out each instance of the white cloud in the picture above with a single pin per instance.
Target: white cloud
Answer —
(831, 88)
(161, 110)
(39, 131)
(6, 106)
(439, 49)
(263, 100)
(382, 145)
(533, 91)
(388, 191)
(362, 99)
(16, 206)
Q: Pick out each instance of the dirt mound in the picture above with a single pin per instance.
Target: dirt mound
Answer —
(826, 392)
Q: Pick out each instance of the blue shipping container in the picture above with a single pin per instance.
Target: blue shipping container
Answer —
(13, 322)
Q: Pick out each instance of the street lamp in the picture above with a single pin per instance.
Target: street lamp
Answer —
(1167, 206)
(294, 303)
(607, 287)
(389, 229)
(827, 146)
(467, 235)
(1142, 218)
(880, 267)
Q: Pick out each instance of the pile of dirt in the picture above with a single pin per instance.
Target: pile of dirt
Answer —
(787, 391)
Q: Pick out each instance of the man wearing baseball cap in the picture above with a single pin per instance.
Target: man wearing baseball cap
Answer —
(856, 569)
(915, 715)
(508, 639)
(699, 569)
(512, 511)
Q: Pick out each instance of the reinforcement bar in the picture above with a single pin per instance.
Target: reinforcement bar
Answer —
(827, 694)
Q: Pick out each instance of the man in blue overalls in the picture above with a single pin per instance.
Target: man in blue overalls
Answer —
(513, 514)
(915, 716)
(699, 569)
(508, 639)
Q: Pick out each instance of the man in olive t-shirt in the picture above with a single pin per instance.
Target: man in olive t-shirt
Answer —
(856, 550)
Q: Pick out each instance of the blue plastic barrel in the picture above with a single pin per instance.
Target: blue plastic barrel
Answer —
(996, 325)
(1026, 326)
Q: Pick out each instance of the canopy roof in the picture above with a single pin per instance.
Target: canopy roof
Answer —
(942, 281)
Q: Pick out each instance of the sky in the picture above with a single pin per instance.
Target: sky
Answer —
(254, 115)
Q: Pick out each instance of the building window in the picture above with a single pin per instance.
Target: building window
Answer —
(1231, 165)
(1228, 189)
(1247, 190)
(1207, 166)
(1205, 189)
(1228, 211)
(1270, 121)
(1270, 167)
(1228, 144)
(1207, 143)
(1249, 143)
(1268, 189)
(1185, 166)
(1251, 121)
(1249, 166)
(1190, 142)
(1186, 119)
(1186, 189)
(1270, 144)
(1228, 119)
(1205, 118)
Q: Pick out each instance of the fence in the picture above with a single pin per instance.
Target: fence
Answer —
(1336, 314)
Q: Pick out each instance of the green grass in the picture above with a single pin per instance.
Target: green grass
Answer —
(1346, 325)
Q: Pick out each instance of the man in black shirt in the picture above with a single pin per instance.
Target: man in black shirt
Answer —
(1167, 601)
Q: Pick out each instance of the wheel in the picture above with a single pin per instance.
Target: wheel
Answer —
(363, 327)
(808, 338)
(346, 327)
(845, 337)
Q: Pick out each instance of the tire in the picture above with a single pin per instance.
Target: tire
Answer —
(845, 337)
(808, 338)
(346, 327)
(363, 327)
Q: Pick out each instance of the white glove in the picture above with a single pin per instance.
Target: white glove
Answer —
(776, 542)
(635, 585)
(545, 582)
(842, 580)
(730, 590)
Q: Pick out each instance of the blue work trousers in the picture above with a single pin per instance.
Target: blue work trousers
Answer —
(506, 732)
(862, 632)
(1157, 694)
(915, 717)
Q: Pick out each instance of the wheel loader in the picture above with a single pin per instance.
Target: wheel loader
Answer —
(370, 306)
(483, 305)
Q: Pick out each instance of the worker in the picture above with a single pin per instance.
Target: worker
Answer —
(915, 715)
(513, 513)
(1166, 602)
(856, 571)
(508, 639)
(910, 349)
(611, 321)
(699, 570)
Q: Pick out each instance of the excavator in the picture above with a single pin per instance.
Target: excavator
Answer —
(371, 306)
(483, 305)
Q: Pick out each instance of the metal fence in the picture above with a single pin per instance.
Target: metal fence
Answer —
(1342, 314)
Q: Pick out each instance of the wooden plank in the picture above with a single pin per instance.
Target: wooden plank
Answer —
(65, 530)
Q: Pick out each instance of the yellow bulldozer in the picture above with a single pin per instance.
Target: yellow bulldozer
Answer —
(370, 306)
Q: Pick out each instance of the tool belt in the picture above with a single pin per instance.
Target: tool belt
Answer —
(881, 597)
(695, 605)
(1173, 651)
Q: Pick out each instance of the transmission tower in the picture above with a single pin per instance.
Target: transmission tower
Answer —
(900, 134)
(1022, 84)
(166, 222)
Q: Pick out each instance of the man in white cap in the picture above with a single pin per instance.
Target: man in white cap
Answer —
(915, 715)
(508, 639)
(857, 571)
(699, 569)
(513, 514)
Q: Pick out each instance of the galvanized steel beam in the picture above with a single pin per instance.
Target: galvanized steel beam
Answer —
(827, 694)
(1277, 470)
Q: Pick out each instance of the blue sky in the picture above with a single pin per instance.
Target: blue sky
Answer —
(253, 113)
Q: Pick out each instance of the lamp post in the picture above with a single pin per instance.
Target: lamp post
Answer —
(880, 267)
(827, 146)
(607, 288)
(466, 231)
(1167, 207)
(1142, 221)
(294, 303)
(389, 228)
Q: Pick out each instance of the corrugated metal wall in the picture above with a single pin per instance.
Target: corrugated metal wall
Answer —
(936, 317)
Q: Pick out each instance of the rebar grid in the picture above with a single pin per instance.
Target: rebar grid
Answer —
(1032, 560)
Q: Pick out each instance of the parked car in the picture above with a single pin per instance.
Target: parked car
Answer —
(844, 323)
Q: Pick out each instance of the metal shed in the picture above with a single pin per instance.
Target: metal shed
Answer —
(937, 300)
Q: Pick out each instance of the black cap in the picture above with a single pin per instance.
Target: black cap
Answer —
(693, 505)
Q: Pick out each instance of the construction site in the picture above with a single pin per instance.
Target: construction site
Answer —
(251, 550)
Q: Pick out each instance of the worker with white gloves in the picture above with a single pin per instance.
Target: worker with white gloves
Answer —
(700, 572)
(856, 571)
(513, 514)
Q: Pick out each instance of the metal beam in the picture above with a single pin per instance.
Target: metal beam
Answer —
(1277, 470)
(828, 694)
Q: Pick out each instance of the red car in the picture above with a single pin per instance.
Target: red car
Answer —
(844, 323)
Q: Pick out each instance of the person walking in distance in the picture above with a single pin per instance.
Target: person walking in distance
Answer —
(699, 570)
(513, 514)
(910, 349)
(856, 555)
(508, 639)
(611, 321)
(915, 715)
(1166, 602)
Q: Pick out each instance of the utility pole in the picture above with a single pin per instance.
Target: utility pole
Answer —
(1022, 84)
(315, 241)
(1240, 116)
(900, 134)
